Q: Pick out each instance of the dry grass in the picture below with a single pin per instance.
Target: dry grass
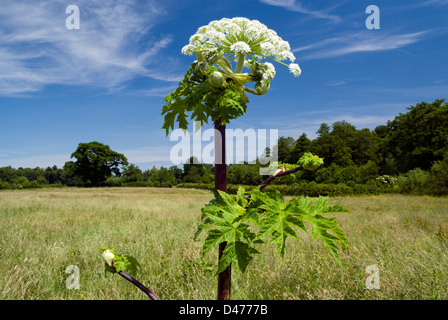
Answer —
(44, 231)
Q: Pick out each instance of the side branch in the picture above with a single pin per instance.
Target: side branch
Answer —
(279, 173)
(136, 283)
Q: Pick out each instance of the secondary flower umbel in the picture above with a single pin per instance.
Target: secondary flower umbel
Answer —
(295, 69)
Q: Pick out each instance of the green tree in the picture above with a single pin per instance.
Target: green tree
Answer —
(22, 182)
(165, 178)
(419, 137)
(177, 173)
(53, 175)
(366, 147)
(193, 175)
(323, 129)
(439, 179)
(95, 162)
(151, 175)
(300, 146)
(132, 173)
(284, 148)
(8, 174)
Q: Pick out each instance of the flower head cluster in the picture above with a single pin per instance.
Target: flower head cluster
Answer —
(240, 47)
(295, 69)
(241, 36)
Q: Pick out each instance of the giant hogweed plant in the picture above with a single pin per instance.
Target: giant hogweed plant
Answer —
(215, 88)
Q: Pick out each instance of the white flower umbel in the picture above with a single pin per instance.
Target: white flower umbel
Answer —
(243, 39)
(295, 69)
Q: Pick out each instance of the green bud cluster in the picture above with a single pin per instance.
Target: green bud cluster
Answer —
(310, 161)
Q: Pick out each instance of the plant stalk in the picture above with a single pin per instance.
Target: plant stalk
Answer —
(278, 174)
(225, 277)
(240, 63)
(136, 283)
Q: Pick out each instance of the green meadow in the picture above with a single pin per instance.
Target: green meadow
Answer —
(44, 231)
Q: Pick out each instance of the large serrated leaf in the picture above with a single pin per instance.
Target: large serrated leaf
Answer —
(278, 227)
(239, 253)
(320, 227)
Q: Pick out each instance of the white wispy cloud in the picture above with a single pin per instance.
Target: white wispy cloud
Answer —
(360, 115)
(430, 3)
(310, 127)
(296, 6)
(159, 91)
(358, 42)
(36, 48)
(336, 83)
(147, 154)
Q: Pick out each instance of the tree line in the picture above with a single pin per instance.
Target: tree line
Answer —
(408, 154)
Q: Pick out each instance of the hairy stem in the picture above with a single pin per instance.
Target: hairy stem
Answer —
(278, 174)
(225, 277)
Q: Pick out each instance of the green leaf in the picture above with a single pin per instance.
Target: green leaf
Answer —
(216, 236)
(240, 198)
(123, 263)
(320, 227)
(279, 227)
(238, 252)
(234, 218)
(305, 205)
(224, 221)
(195, 97)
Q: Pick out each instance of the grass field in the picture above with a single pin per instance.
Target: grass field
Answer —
(44, 231)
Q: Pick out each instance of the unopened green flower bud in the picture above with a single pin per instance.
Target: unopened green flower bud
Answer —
(310, 161)
(262, 87)
(216, 79)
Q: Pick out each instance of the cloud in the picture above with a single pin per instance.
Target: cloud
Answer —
(360, 115)
(336, 83)
(110, 48)
(310, 126)
(149, 154)
(358, 42)
(159, 91)
(430, 3)
(293, 5)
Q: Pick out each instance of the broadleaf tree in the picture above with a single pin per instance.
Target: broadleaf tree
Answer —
(95, 162)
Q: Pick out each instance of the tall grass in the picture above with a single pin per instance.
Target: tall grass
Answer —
(44, 231)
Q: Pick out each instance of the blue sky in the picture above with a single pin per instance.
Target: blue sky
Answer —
(106, 81)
